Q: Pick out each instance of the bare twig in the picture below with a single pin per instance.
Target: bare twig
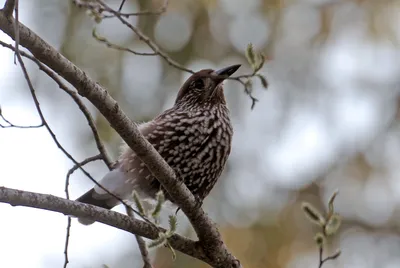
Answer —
(103, 40)
(77, 166)
(97, 8)
(246, 90)
(141, 243)
(11, 125)
(111, 218)
(72, 170)
(144, 38)
(323, 260)
(121, 5)
(209, 238)
(161, 10)
(68, 233)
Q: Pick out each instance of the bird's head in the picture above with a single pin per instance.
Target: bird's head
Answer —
(205, 87)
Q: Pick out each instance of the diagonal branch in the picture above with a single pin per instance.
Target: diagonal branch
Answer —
(111, 218)
(208, 235)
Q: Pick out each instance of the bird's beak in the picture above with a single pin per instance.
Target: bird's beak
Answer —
(224, 73)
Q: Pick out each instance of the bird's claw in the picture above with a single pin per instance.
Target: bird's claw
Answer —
(199, 203)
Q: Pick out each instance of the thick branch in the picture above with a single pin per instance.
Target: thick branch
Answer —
(8, 8)
(207, 232)
(111, 218)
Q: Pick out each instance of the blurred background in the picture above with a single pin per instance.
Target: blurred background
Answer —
(329, 120)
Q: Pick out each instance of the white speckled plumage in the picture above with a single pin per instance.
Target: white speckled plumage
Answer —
(194, 137)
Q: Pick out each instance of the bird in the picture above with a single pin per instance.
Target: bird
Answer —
(194, 137)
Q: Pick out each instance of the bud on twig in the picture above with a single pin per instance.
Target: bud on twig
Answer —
(313, 214)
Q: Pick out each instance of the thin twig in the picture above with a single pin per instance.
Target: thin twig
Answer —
(66, 261)
(141, 243)
(77, 166)
(161, 10)
(11, 125)
(72, 170)
(246, 90)
(121, 5)
(103, 40)
(144, 38)
(323, 260)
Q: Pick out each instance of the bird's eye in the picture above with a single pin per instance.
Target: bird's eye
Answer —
(199, 83)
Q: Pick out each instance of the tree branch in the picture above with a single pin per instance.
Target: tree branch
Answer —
(141, 243)
(11, 125)
(111, 218)
(8, 8)
(144, 38)
(209, 237)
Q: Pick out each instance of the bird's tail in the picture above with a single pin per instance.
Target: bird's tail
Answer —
(115, 183)
(91, 198)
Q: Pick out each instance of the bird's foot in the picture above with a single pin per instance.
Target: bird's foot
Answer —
(199, 203)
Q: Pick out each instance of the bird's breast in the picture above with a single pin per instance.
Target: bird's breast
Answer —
(195, 145)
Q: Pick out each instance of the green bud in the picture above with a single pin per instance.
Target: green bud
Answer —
(320, 239)
(259, 62)
(264, 81)
(138, 203)
(250, 54)
(330, 203)
(173, 222)
(313, 214)
(160, 201)
(333, 224)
